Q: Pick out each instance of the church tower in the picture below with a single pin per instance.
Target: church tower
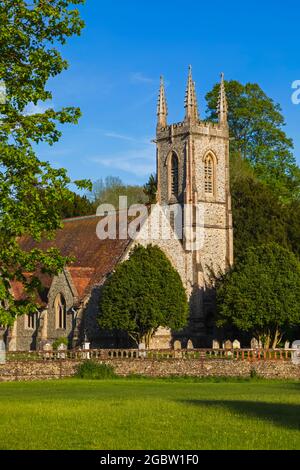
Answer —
(193, 171)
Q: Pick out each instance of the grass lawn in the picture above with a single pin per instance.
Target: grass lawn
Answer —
(150, 414)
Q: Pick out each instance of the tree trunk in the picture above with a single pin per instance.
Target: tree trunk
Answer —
(277, 338)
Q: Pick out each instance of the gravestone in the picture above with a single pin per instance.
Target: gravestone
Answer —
(177, 349)
(254, 343)
(227, 344)
(142, 349)
(296, 353)
(86, 346)
(47, 347)
(236, 344)
(216, 344)
(61, 351)
(190, 345)
(2, 352)
(287, 345)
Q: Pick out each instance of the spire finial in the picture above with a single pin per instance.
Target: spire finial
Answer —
(191, 105)
(222, 103)
(162, 109)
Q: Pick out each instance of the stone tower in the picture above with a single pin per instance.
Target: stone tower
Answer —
(193, 171)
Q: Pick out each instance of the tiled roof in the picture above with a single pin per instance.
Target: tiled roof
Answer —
(94, 258)
(19, 293)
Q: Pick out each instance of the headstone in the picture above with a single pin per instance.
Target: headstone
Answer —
(216, 344)
(296, 353)
(2, 352)
(227, 344)
(287, 345)
(190, 345)
(177, 350)
(236, 344)
(47, 347)
(254, 343)
(86, 346)
(61, 351)
(142, 349)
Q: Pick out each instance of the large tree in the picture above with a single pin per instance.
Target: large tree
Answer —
(76, 206)
(150, 189)
(110, 189)
(144, 293)
(257, 134)
(31, 190)
(258, 216)
(261, 294)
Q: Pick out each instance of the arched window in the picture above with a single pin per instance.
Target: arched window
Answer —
(209, 174)
(174, 176)
(60, 308)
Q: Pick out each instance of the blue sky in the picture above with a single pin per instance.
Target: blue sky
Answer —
(126, 45)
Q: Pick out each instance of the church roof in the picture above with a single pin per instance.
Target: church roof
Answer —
(94, 259)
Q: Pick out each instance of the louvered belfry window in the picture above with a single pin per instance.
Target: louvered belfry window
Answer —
(209, 175)
(174, 175)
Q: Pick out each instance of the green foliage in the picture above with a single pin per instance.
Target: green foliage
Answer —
(261, 293)
(91, 370)
(256, 128)
(150, 189)
(144, 293)
(293, 226)
(258, 216)
(58, 342)
(108, 191)
(31, 191)
(76, 206)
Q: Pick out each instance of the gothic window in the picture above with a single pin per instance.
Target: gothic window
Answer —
(174, 176)
(31, 321)
(209, 174)
(60, 312)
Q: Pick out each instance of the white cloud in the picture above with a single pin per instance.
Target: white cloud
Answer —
(138, 77)
(128, 138)
(137, 162)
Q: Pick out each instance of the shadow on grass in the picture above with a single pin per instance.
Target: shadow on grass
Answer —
(284, 415)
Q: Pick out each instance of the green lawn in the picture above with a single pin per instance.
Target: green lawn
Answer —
(149, 414)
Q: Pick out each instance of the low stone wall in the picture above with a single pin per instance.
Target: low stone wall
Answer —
(44, 370)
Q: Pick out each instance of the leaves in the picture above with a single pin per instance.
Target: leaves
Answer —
(261, 293)
(31, 191)
(150, 189)
(257, 135)
(144, 293)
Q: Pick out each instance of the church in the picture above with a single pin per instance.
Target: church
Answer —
(192, 162)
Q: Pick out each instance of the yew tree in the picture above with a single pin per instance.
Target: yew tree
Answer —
(31, 35)
(261, 294)
(144, 293)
